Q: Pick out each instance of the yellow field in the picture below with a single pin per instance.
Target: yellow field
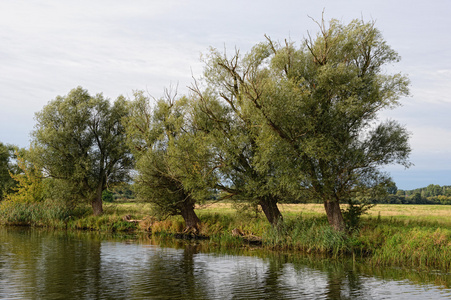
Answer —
(440, 214)
(428, 213)
(385, 210)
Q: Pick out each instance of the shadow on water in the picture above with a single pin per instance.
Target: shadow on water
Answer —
(39, 264)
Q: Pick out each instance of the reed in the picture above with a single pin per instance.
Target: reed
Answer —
(413, 245)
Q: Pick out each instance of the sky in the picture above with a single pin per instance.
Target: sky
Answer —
(116, 47)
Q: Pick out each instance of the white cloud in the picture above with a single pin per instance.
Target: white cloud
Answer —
(433, 140)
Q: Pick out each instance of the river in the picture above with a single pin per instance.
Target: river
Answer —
(41, 264)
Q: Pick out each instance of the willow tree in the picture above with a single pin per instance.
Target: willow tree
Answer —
(234, 133)
(171, 157)
(320, 102)
(80, 141)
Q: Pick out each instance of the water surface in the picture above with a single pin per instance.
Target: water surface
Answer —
(39, 264)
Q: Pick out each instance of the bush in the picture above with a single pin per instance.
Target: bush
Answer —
(353, 214)
(107, 196)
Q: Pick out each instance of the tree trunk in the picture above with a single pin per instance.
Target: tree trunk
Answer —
(190, 217)
(334, 215)
(97, 206)
(271, 210)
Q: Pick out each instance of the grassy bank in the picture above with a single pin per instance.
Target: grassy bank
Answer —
(414, 236)
(417, 236)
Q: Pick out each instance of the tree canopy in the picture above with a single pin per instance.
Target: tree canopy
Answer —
(317, 107)
(79, 139)
(171, 156)
(234, 138)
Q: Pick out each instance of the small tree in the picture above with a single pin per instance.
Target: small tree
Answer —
(29, 183)
(80, 140)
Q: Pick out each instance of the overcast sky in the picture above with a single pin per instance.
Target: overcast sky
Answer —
(115, 47)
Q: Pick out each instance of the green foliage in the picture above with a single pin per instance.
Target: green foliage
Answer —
(171, 157)
(395, 241)
(307, 234)
(432, 194)
(80, 140)
(107, 196)
(29, 187)
(353, 213)
(105, 223)
(413, 246)
(61, 191)
(236, 137)
(6, 168)
(45, 213)
(123, 192)
(315, 110)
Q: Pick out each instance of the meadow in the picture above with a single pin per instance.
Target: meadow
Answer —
(431, 213)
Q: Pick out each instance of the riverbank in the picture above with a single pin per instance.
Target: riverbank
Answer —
(414, 236)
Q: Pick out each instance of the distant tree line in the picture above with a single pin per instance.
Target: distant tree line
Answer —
(432, 194)
(119, 193)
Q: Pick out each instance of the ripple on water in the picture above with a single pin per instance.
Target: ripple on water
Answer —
(41, 266)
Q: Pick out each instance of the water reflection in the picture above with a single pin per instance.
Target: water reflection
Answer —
(36, 264)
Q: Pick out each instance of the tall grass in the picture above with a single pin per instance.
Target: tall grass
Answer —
(53, 214)
(45, 214)
(412, 246)
(307, 234)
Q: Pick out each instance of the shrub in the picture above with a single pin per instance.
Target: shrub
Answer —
(353, 213)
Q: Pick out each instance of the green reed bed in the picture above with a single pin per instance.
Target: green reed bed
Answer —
(55, 215)
(412, 245)
(308, 234)
(42, 214)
